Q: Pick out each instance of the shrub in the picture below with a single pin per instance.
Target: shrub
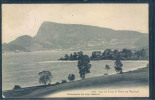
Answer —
(105, 74)
(16, 87)
(64, 81)
(57, 83)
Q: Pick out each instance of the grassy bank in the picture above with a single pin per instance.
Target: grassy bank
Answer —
(136, 77)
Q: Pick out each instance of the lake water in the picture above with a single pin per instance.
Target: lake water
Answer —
(23, 68)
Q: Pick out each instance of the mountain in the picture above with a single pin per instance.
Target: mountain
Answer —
(19, 44)
(77, 37)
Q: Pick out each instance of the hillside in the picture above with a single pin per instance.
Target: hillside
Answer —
(77, 37)
(131, 79)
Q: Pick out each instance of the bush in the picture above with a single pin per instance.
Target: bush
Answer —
(64, 81)
(105, 74)
(71, 77)
(16, 87)
(57, 83)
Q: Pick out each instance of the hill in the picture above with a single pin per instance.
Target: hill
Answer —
(77, 37)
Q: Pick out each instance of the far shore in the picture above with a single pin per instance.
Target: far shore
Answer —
(130, 79)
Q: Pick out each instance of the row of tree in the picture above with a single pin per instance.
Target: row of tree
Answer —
(74, 56)
(84, 68)
(124, 54)
(109, 54)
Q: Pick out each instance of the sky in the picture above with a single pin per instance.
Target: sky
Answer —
(25, 19)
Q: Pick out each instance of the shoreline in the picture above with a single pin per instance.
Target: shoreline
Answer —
(140, 75)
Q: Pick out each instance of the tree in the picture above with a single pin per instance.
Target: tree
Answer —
(79, 54)
(96, 55)
(107, 54)
(84, 66)
(126, 54)
(66, 57)
(71, 77)
(75, 56)
(107, 67)
(115, 54)
(71, 57)
(118, 66)
(143, 53)
(45, 77)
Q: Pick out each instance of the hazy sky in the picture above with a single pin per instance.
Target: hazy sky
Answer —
(25, 19)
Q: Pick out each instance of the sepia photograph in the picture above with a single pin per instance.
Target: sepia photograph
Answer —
(75, 50)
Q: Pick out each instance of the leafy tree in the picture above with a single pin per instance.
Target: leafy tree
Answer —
(45, 77)
(84, 66)
(79, 54)
(126, 54)
(96, 55)
(143, 53)
(115, 54)
(75, 56)
(71, 77)
(107, 67)
(118, 66)
(107, 54)
(71, 57)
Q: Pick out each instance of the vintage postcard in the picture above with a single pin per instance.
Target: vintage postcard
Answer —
(75, 50)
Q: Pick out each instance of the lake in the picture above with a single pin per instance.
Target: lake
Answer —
(23, 68)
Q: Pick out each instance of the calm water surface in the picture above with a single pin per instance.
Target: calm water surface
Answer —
(23, 68)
